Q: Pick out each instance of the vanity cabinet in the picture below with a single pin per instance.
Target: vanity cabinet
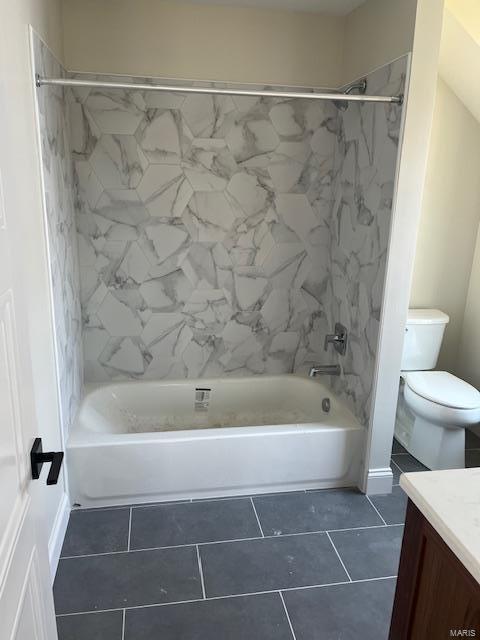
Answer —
(436, 596)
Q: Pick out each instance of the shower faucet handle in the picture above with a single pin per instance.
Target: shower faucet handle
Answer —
(338, 339)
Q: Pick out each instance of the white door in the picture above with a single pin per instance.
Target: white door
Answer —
(26, 603)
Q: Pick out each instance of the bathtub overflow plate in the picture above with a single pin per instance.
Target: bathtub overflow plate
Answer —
(326, 405)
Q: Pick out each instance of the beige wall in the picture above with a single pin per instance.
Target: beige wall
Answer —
(378, 32)
(460, 59)
(182, 40)
(467, 13)
(22, 192)
(450, 218)
(469, 351)
(170, 39)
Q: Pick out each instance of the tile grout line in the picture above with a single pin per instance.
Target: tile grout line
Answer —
(288, 615)
(256, 515)
(123, 624)
(213, 542)
(378, 512)
(338, 556)
(233, 595)
(200, 569)
(392, 461)
(129, 529)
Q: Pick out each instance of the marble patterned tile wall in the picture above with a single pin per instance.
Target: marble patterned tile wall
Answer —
(61, 234)
(365, 164)
(204, 232)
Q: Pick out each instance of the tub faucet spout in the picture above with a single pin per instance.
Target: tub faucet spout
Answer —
(326, 370)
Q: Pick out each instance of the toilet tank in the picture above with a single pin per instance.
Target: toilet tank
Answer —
(423, 339)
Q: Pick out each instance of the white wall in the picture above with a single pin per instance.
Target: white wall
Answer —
(205, 42)
(468, 365)
(450, 218)
(376, 33)
(22, 191)
(406, 215)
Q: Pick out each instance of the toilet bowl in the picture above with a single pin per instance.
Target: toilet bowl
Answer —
(434, 407)
(441, 406)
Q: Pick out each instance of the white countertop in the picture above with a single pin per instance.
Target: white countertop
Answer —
(450, 501)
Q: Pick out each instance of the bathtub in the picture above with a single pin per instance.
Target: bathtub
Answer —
(137, 442)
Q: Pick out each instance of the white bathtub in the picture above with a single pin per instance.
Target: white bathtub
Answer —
(150, 441)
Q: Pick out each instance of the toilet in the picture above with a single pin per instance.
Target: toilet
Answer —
(434, 407)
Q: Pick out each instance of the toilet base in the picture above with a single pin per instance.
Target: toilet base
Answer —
(438, 447)
(435, 446)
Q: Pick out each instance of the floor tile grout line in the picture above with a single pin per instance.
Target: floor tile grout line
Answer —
(378, 512)
(200, 569)
(213, 542)
(287, 615)
(129, 529)
(392, 461)
(123, 623)
(233, 595)
(339, 557)
(256, 515)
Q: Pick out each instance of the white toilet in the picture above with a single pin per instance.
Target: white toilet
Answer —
(434, 407)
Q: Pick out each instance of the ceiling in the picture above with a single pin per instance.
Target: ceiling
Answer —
(333, 7)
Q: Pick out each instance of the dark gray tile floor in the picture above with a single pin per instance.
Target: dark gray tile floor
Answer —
(403, 462)
(256, 568)
(270, 564)
(171, 525)
(354, 611)
(307, 565)
(472, 449)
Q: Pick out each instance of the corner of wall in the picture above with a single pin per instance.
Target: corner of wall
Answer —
(376, 33)
(408, 197)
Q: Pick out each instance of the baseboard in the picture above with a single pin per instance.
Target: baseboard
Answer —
(58, 534)
(379, 481)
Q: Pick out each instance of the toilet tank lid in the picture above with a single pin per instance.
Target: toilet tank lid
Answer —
(443, 388)
(427, 316)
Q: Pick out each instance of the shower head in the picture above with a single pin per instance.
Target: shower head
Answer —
(360, 86)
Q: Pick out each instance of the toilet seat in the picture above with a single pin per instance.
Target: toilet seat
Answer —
(444, 389)
(437, 413)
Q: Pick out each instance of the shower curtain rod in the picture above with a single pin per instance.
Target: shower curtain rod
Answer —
(63, 82)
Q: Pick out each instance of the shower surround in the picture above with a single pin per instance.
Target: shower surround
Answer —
(226, 235)
(217, 235)
(60, 229)
(366, 154)
(203, 232)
